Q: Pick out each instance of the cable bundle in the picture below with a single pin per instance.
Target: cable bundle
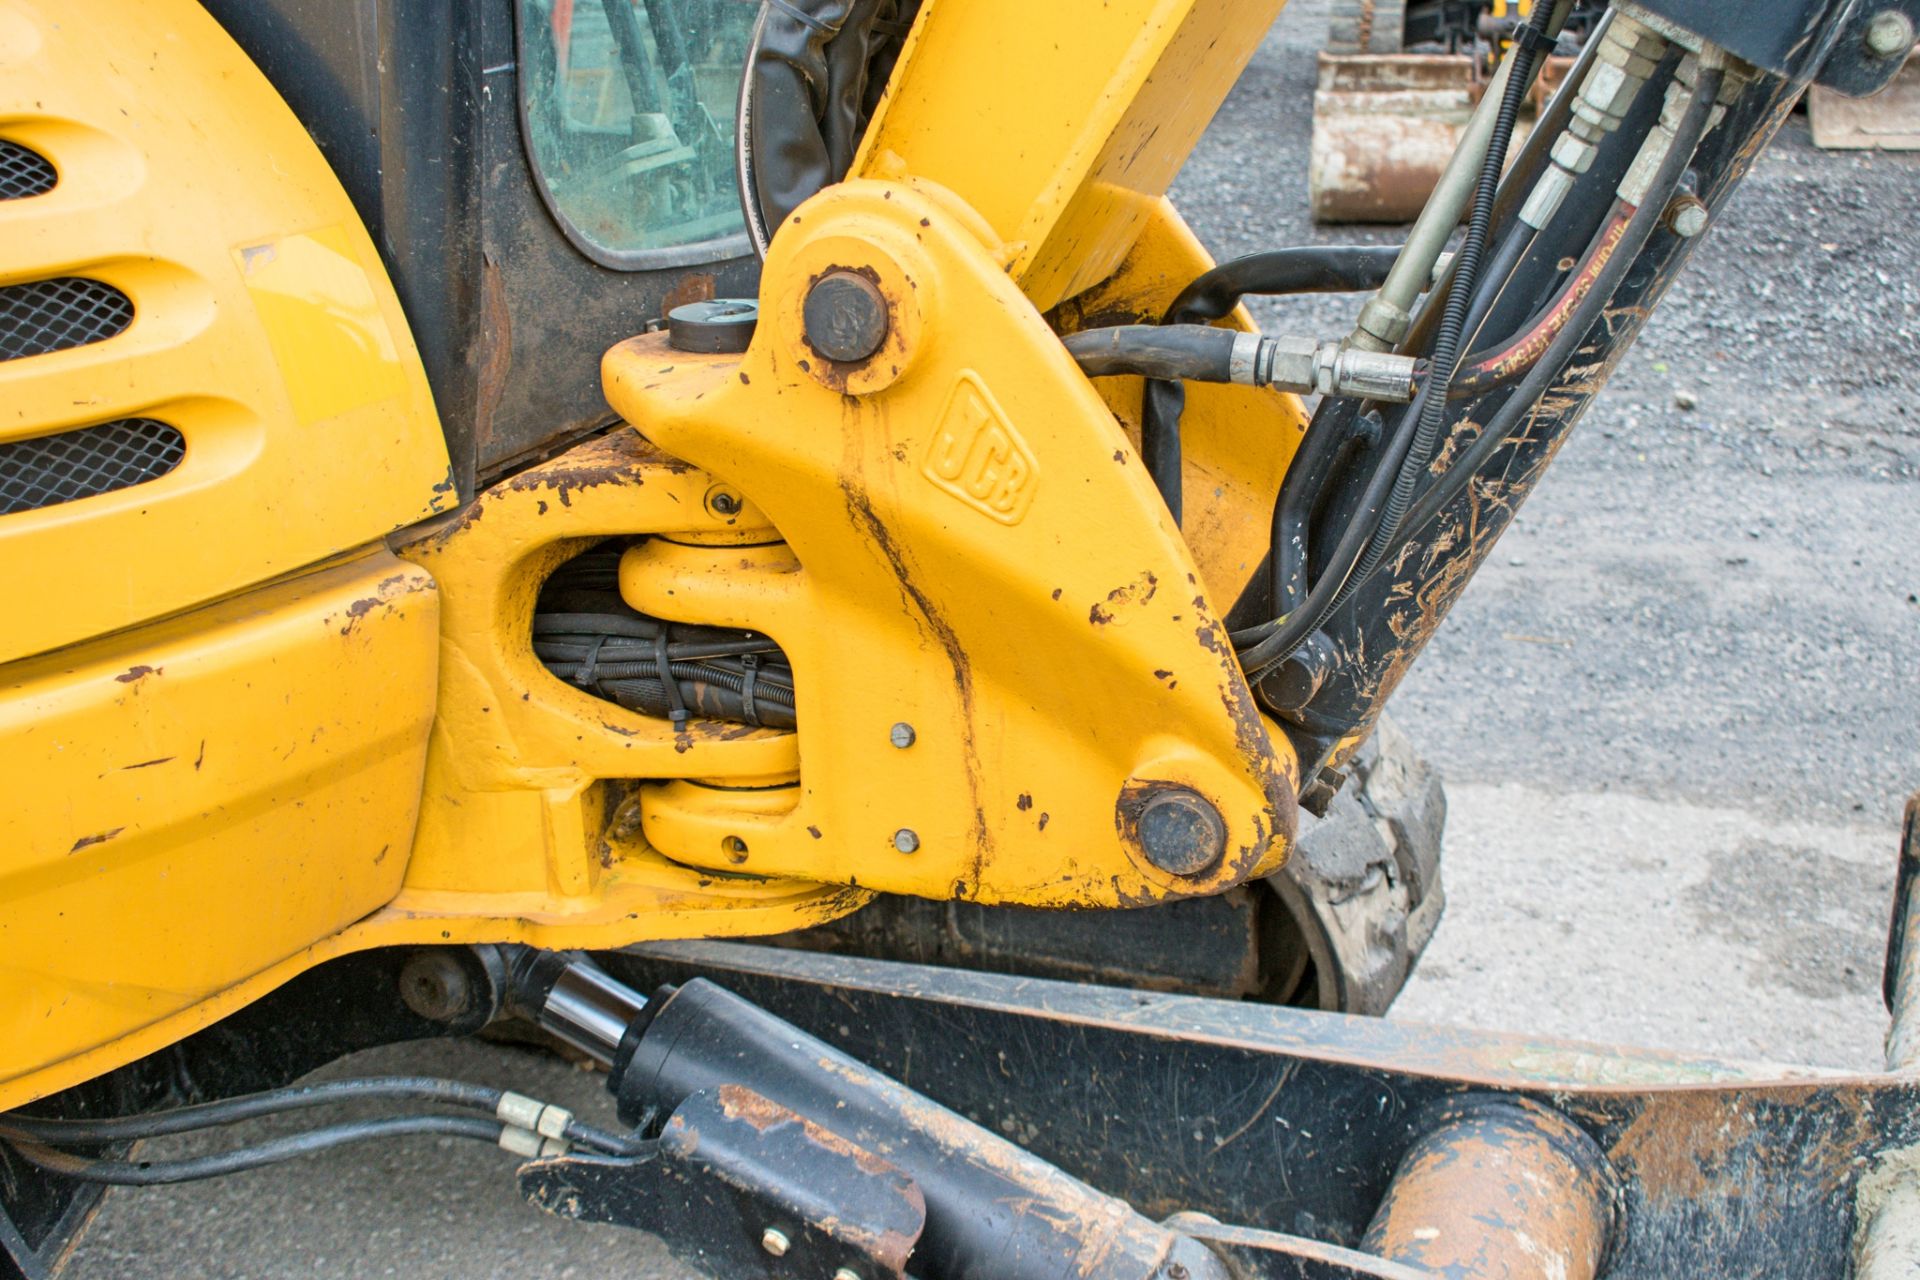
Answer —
(588, 636)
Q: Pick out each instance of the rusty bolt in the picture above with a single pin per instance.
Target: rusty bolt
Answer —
(845, 316)
(1889, 34)
(775, 1242)
(1180, 832)
(901, 735)
(1686, 216)
(434, 985)
(724, 502)
(906, 840)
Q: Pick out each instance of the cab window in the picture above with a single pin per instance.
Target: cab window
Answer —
(628, 108)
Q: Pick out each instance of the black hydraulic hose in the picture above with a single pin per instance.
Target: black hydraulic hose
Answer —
(772, 687)
(577, 647)
(1525, 168)
(1513, 248)
(150, 1173)
(154, 1124)
(1692, 127)
(1261, 647)
(1157, 351)
(590, 624)
(1482, 371)
(1329, 440)
(1213, 295)
(1445, 357)
(1343, 575)
(1339, 268)
(103, 1130)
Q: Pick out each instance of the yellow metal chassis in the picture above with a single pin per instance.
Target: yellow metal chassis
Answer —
(956, 534)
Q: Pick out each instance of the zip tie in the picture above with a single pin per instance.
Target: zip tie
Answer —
(584, 676)
(750, 661)
(1533, 38)
(676, 705)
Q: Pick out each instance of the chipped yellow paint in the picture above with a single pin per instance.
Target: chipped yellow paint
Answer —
(212, 795)
(516, 839)
(1029, 609)
(957, 534)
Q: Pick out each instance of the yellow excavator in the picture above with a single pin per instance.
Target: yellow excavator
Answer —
(506, 499)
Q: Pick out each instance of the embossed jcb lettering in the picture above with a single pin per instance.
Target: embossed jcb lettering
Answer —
(978, 457)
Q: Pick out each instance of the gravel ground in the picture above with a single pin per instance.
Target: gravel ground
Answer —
(1677, 711)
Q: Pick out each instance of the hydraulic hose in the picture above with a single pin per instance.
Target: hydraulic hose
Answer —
(153, 1173)
(1692, 127)
(203, 1115)
(1261, 647)
(1429, 415)
(1330, 440)
(1498, 274)
(105, 1130)
(1482, 371)
(1155, 351)
(1313, 269)
(1212, 295)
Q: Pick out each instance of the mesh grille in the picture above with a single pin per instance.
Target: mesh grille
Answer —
(79, 464)
(23, 173)
(52, 315)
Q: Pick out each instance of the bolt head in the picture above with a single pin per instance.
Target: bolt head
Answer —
(901, 735)
(906, 840)
(1180, 831)
(1687, 217)
(845, 316)
(1889, 34)
(724, 502)
(775, 1242)
(846, 1273)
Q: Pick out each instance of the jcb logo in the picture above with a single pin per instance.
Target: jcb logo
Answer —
(978, 458)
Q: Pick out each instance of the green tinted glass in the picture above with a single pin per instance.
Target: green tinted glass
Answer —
(629, 115)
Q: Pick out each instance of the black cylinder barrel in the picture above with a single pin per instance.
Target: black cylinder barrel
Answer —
(994, 1211)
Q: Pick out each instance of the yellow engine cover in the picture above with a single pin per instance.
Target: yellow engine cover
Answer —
(264, 328)
(212, 748)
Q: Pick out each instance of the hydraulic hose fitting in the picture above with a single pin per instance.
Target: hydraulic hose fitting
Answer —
(1327, 367)
(1388, 314)
(1628, 55)
(1638, 179)
(1201, 353)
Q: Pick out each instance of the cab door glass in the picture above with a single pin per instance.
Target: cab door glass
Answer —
(628, 108)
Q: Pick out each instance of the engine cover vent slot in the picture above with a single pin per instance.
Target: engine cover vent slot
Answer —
(24, 172)
(54, 315)
(49, 470)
